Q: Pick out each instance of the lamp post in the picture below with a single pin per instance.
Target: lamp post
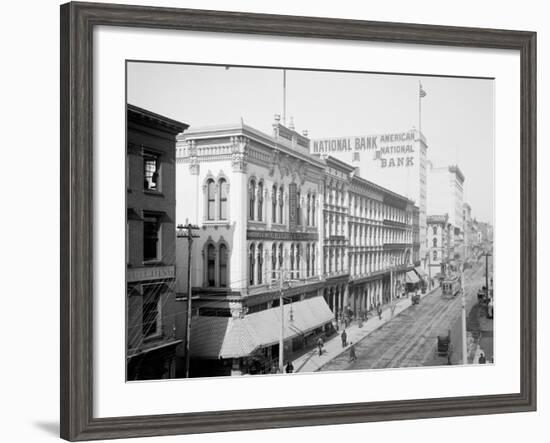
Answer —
(186, 231)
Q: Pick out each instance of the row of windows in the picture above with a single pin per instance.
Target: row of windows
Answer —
(372, 209)
(335, 196)
(256, 205)
(365, 262)
(300, 260)
(362, 263)
(370, 235)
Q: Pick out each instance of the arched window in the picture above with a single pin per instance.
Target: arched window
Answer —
(281, 193)
(260, 263)
(292, 257)
(308, 219)
(298, 252)
(313, 250)
(274, 204)
(251, 199)
(313, 215)
(222, 215)
(434, 229)
(211, 265)
(434, 242)
(223, 266)
(281, 256)
(274, 260)
(260, 200)
(211, 197)
(308, 258)
(251, 259)
(298, 209)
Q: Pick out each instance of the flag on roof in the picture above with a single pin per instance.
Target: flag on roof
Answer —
(422, 92)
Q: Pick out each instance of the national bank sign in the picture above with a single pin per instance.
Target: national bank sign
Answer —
(392, 150)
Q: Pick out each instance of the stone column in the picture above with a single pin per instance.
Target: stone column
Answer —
(346, 298)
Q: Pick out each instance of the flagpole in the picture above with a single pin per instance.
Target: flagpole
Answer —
(284, 97)
(419, 109)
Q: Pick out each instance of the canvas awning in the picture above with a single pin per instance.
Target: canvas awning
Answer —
(411, 277)
(421, 273)
(229, 337)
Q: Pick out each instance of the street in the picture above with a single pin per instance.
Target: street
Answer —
(410, 339)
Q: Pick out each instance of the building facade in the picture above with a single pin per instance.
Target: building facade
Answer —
(150, 254)
(367, 241)
(277, 222)
(446, 196)
(256, 199)
(396, 161)
(438, 244)
(468, 232)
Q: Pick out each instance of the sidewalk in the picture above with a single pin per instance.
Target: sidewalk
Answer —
(311, 361)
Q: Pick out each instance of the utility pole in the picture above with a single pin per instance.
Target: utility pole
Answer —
(487, 272)
(188, 227)
(282, 332)
(464, 335)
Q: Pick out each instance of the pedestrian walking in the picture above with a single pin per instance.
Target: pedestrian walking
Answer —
(352, 356)
(289, 368)
(320, 345)
(379, 312)
(344, 337)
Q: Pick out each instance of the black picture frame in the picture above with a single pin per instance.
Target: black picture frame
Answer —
(77, 23)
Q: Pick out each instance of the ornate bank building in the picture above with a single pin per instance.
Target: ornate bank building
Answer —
(277, 223)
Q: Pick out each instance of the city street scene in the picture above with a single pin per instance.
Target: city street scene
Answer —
(286, 221)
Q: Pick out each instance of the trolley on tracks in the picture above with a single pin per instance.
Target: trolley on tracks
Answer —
(451, 286)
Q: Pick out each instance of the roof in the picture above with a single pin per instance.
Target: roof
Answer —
(281, 144)
(137, 113)
(235, 337)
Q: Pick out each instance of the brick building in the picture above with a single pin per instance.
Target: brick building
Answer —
(150, 240)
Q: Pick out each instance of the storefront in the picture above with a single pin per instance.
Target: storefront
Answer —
(250, 343)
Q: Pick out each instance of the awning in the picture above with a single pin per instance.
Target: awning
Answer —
(228, 337)
(421, 273)
(411, 277)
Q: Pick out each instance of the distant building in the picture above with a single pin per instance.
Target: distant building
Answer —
(468, 232)
(150, 240)
(446, 196)
(438, 244)
(397, 161)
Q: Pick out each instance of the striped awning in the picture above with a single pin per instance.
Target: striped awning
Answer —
(411, 277)
(234, 337)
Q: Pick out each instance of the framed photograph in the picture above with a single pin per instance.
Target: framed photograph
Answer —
(273, 221)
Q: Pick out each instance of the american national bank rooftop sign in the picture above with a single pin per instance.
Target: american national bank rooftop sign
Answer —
(392, 150)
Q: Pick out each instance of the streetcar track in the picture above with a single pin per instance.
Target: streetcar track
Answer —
(409, 334)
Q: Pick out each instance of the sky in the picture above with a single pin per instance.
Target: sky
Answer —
(457, 116)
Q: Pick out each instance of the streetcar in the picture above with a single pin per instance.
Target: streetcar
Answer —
(451, 286)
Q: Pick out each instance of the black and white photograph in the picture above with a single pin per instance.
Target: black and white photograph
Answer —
(284, 221)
